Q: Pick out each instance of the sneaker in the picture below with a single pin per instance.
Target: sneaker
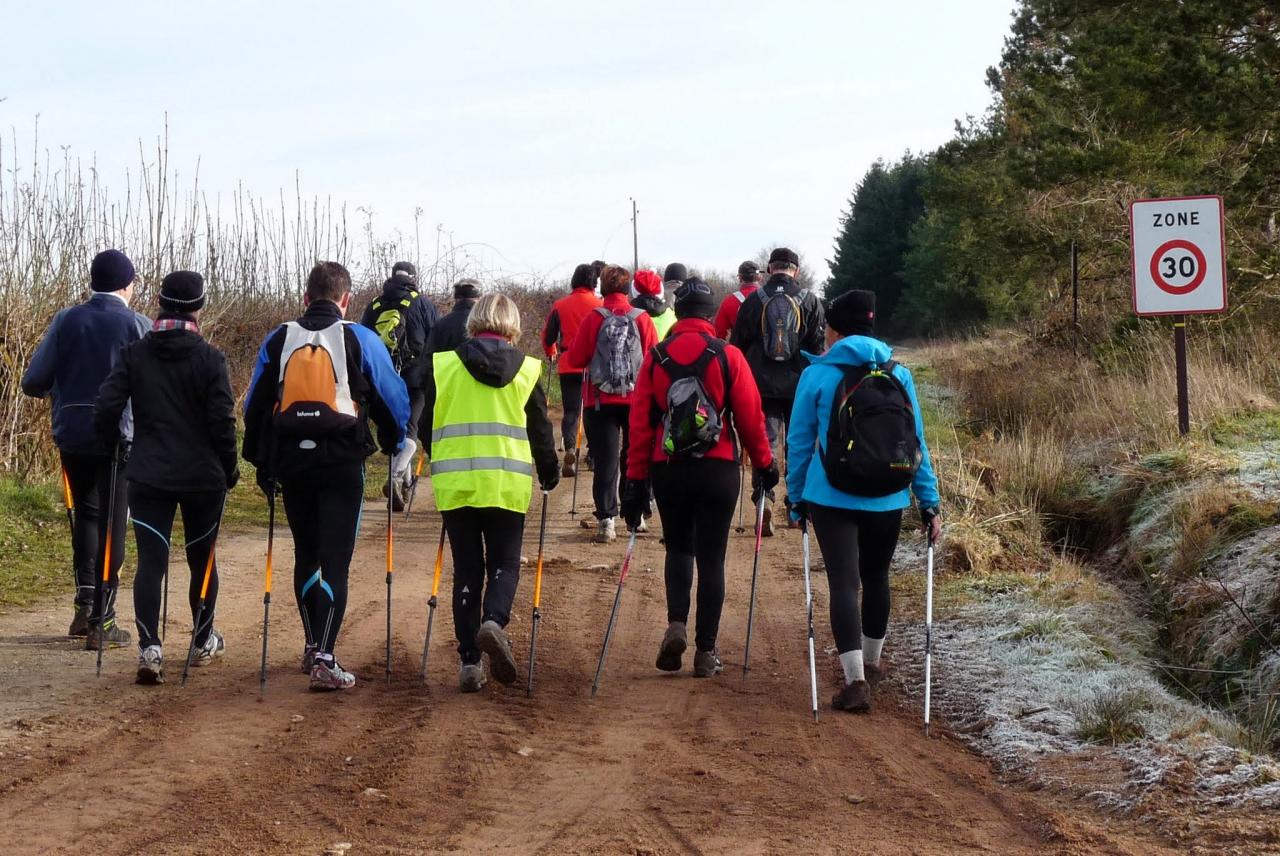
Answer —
(855, 698)
(706, 664)
(150, 671)
(397, 497)
(213, 648)
(674, 641)
(591, 464)
(766, 527)
(569, 468)
(492, 640)
(80, 624)
(643, 527)
(471, 677)
(309, 657)
(327, 675)
(112, 636)
(606, 531)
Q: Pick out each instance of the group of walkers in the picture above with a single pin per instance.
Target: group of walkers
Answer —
(673, 389)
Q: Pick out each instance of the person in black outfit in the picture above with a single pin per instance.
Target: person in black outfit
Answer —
(183, 456)
(419, 314)
(777, 379)
(448, 333)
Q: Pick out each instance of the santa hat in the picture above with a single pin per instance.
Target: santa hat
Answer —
(647, 282)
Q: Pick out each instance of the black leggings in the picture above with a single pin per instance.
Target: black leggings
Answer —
(152, 512)
(857, 546)
(571, 396)
(485, 543)
(323, 507)
(608, 431)
(696, 500)
(90, 480)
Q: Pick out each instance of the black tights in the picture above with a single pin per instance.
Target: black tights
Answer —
(857, 547)
(608, 433)
(486, 570)
(90, 479)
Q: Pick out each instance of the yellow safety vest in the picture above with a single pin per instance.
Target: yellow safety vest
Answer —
(480, 454)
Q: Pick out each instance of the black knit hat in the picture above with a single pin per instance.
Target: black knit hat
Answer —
(675, 272)
(466, 287)
(853, 313)
(784, 256)
(182, 291)
(584, 276)
(111, 270)
(404, 269)
(695, 299)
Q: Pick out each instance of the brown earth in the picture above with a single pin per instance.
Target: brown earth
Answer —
(657, 764)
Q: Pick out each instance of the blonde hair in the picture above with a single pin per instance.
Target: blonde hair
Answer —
(495, 313)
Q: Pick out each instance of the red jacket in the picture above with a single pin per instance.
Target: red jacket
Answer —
(562, 325)
(728, 314)
(650, 402)
(584, 346)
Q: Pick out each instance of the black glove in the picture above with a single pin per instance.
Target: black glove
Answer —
(768, 477)
(550, 484)
(233, 478)
(928, 516)
(635, 502)
(266, 483)
(799, 511)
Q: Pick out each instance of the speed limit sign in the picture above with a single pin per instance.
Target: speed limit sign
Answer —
(1179, 256)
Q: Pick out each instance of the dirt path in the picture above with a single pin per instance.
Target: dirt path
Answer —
(656, 764)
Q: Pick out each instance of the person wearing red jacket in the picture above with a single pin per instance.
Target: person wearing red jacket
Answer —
(609, 387)
(696, 486)
(557, 335)
(727, 316)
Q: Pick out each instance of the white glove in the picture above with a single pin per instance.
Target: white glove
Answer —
(403, 460)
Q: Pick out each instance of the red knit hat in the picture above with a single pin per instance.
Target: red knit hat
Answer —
(648, 282)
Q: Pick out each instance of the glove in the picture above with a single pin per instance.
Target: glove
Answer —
(635, 503)
(233, 478)
(799, 511)
(931, 523)
(550, 484)
(402, 460)
(767, 478)
(266, 483)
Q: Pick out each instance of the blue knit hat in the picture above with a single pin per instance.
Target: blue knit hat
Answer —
(111, 270)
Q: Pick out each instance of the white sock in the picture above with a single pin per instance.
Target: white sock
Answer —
(871, 649)
(851, 662)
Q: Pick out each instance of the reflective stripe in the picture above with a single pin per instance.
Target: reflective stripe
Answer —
(479, 429)
(460, 465)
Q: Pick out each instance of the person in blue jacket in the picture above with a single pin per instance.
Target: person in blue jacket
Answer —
(317, 382)
(75, 356)
(856, 534)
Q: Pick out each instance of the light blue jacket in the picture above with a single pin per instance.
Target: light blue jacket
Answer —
(811, 414)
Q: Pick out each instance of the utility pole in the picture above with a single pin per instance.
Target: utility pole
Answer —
(635, 241)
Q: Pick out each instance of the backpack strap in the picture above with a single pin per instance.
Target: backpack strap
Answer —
(604, 313)
(635, 313)
(740, 297)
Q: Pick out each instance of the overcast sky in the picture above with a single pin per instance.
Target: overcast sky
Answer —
(522, 125)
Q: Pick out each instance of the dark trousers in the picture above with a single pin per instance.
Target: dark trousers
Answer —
(485, 543)
(857, 547)
(90, 480)
(417, 401)
(608, 433)
(777, 416)
(153, 512)
(571, 396)
(696, 501)
(323, 508)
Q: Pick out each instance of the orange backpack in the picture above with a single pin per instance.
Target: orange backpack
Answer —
(314, 398)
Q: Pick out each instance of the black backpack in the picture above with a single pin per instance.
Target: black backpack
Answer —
(781, 320)
(692, 423)
(872, 448)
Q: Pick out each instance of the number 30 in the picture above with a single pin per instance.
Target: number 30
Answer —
(1185, 267)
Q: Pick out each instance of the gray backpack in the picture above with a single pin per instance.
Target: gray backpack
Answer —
(619, 353)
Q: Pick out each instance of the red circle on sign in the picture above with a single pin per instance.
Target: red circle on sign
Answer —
(1202, 267)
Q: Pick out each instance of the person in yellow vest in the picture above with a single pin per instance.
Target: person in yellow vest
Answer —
(489, 435)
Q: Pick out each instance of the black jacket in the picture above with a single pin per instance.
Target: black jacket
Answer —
(377, 402)
(495, 363)
(448, 333)
(419, 320)
(185, 435)
(779, 380)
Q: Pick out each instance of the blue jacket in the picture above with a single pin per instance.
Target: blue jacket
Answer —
(811, 414)
(73, 359)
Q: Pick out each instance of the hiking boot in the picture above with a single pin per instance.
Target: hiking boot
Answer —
(80, 624)
(875, 672)
(471, 677)
(214, 647)
(674, 642)
(766, 526)
(112, 636)
(493, 641)
(855, 698)
(569, 468)
(706, 664)
(150, 671)
(309, 657)
(591, 464)
(397, 496)
(327, 675)
(606, 532)
(644, 526)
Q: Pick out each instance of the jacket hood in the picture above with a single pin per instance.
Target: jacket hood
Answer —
(655, 306)
(397, 288)
(781, 282)
(853, 351)
(174, 344)
(493, 362)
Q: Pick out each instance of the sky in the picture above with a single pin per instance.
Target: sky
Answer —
(523, 126)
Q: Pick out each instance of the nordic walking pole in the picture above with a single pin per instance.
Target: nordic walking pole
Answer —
(69, 504)
(537, 596)
(413, 488)
(808, 598)
(390, 562)
(742, 496)
(164, 615)
(928, 634)
(613, 614)
(751, 609)
(266, 589)
(432, 602)
(204, 590)
(106, 562)
(577, 462)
